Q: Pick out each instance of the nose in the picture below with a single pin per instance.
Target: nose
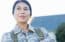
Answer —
(22, 12)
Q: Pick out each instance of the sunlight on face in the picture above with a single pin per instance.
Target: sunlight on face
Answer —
(22, 12)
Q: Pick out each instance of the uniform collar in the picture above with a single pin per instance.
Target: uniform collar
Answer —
(17, 29)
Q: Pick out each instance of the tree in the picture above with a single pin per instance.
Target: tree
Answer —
(60, 33)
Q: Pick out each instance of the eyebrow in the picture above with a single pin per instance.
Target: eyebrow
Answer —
(25, 7)
(18, 6)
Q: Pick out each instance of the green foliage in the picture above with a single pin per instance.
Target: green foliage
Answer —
(60, 33)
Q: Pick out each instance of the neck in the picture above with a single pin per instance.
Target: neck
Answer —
(23, 26)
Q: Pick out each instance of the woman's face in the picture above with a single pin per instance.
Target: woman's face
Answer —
(22, 12)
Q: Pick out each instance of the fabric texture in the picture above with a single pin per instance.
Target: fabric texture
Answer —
(30, 36)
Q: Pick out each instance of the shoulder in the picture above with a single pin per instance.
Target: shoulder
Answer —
(6, 37)
(42, 29)
(48, 36)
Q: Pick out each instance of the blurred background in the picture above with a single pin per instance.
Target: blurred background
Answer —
(45, 13)
(49, 22)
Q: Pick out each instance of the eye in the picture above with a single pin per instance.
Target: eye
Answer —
(18, 8)
(26, 9)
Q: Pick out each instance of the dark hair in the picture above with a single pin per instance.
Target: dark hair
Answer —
(25, 1)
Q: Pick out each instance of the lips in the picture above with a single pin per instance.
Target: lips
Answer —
(23, 17)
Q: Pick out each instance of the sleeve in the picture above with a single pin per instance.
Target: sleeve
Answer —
(6, 38)
(48, 37)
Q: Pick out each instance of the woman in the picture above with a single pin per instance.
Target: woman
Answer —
(23, 32)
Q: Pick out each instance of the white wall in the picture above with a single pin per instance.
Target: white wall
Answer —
(40, 8)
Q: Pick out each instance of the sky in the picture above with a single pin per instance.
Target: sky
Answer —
(39, 8)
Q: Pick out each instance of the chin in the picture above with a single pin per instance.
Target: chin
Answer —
(23, 21)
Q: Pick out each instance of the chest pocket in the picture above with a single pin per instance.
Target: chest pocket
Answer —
(37, 30)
